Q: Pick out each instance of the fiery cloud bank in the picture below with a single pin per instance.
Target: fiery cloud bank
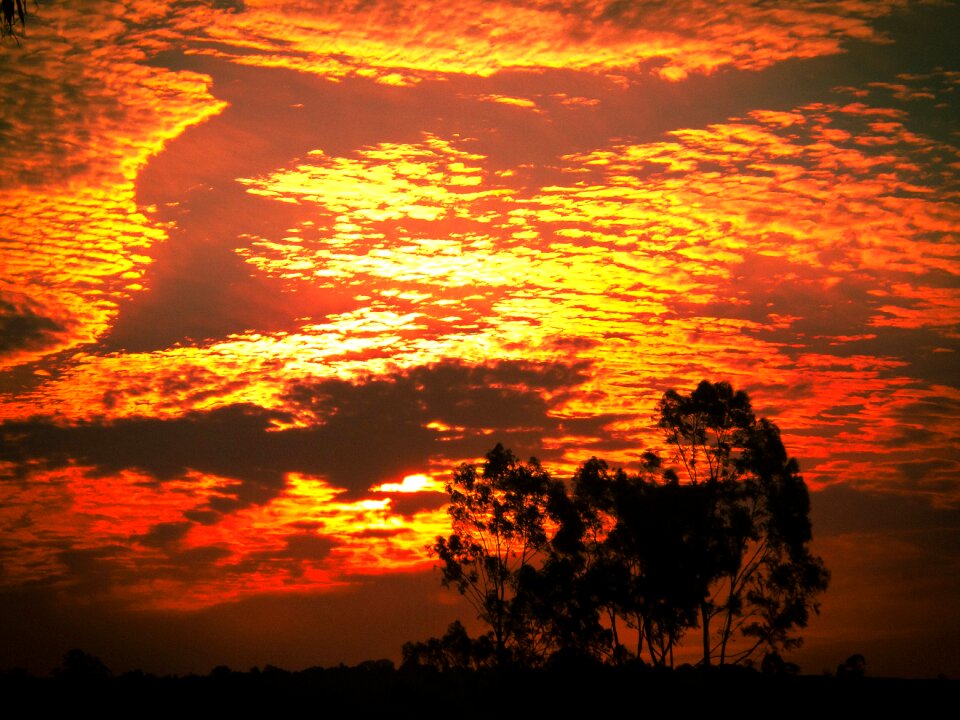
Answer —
(270, 270)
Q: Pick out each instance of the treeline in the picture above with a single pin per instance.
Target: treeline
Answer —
(710, 545)
(84, 682)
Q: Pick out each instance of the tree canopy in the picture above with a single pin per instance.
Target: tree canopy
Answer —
(712, 542)
(499, 514)
(758, 578)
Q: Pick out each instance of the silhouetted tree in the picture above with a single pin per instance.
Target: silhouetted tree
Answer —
(499, 518)
(854, 666)
(774, 664)
(383, 666)
(755, 573)
(78, 665)
(657, 532)
(719, 540)
(456, 650)
(640, 571)
(604, 575)
(560, 601)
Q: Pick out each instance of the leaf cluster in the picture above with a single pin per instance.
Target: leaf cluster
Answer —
(12, 11)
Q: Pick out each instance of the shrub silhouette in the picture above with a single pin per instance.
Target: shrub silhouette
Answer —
(81, 666)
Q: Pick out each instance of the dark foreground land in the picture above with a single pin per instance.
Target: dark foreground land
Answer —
(377, 688)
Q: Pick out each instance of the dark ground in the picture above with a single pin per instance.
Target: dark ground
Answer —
(376, 688)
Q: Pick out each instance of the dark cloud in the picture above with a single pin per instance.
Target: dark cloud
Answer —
(919, 470)
(228, 5)
(410, 504)
(92, 571)
(929, 354)
(943, 407)
(840, 509)
(838, 319)
(380, 532)
(23, 329)
(911, 437)
(499, 395)
(297, 551)
(164, 534)
(307, 546)
(199, 562)
(202, 517)
(367, 432)
(230, 441)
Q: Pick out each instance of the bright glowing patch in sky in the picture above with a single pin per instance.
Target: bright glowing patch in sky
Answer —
(410, 484)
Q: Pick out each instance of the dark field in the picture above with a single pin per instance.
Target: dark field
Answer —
(376, 687)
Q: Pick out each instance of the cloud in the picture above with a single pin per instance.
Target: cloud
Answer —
(82, 115)
(386, 39)
(361, 432)
(840, 509)
(21, 328)
(165, 534)
(297, 553)
(190, 510)
(231, 442)
(409, 504)
(772, 248)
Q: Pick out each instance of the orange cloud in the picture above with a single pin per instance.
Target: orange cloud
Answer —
(646, 253)
(75, 240)
(397, 39)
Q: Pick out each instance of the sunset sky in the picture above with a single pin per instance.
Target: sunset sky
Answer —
(269, 270)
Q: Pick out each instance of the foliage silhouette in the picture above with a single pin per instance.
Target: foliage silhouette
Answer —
(756, 573)
(774, 664)
(456, 650)
(639, 536)
(854, 666)
(498, 514)
(716, 540)
(80, 666)
(10, 12)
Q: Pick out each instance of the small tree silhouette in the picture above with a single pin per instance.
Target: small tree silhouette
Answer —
(81, 666)
(456, 650)
(854, 666)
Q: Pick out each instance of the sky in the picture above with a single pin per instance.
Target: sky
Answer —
(270, 270)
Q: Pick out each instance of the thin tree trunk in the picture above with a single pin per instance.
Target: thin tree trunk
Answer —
(729, 620)
(616, 637)
(656, 660)
(705, 618)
